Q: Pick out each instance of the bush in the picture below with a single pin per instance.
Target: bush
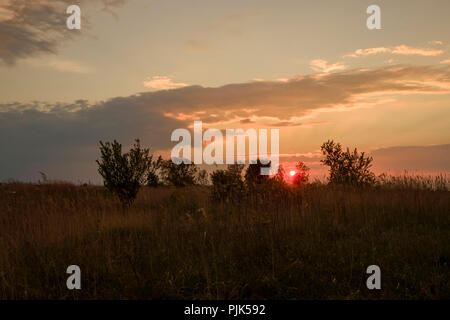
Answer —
(279, 177)
(301, 178)
(123, 174)
(202, 178)
(227, 185)
(253, 176)
(351, 168)
(153, 179)
(178, 175)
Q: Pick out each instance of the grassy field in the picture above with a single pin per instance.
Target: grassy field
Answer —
(178, 244)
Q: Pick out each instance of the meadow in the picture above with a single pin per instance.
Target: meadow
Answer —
(177, 243)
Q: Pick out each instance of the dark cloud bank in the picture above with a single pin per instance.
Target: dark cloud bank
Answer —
(39, 27)
(62, 139)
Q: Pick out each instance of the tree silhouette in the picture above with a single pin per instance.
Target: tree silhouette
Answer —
(346, 167)
(123, 174)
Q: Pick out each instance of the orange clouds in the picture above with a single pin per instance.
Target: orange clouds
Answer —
(405, 50)
(398, 50)
(5, 14)
(288, 102)
(323, 66)
(292, 102)
(48, 132)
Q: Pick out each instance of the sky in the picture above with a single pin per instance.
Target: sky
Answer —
(143, 68)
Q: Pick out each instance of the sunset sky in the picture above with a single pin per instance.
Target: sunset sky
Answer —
(142, 68)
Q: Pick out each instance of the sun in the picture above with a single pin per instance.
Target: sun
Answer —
(292, 173)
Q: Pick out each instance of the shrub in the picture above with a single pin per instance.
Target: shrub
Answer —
(352, 168)
(153, 179)
(227, 185)
(301, 178)
(253, 176)
(202, 178)
(123, 174)
(279, 177)
(178, 175)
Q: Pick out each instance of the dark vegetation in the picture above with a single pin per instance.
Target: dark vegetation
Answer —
(162, 231)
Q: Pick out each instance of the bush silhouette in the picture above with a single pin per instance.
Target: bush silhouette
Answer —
(253, 176)
(202, 178)
(178, 175)
(301, 177)
(227, 185)
(123, 174)
(279, 177)
(153, 179)
(350, 168)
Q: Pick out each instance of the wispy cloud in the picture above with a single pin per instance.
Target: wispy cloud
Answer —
(197, 46)
(437, 43)
(405, 50)
(5, 14)
(163, 83)
(445, 61)
(398, 50)
(28, 29)
(298, 124)
(60, 65)
(323, 66)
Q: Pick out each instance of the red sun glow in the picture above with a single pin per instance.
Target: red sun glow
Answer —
(292, 173)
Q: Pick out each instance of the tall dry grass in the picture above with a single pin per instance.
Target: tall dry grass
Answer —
(178, 244)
